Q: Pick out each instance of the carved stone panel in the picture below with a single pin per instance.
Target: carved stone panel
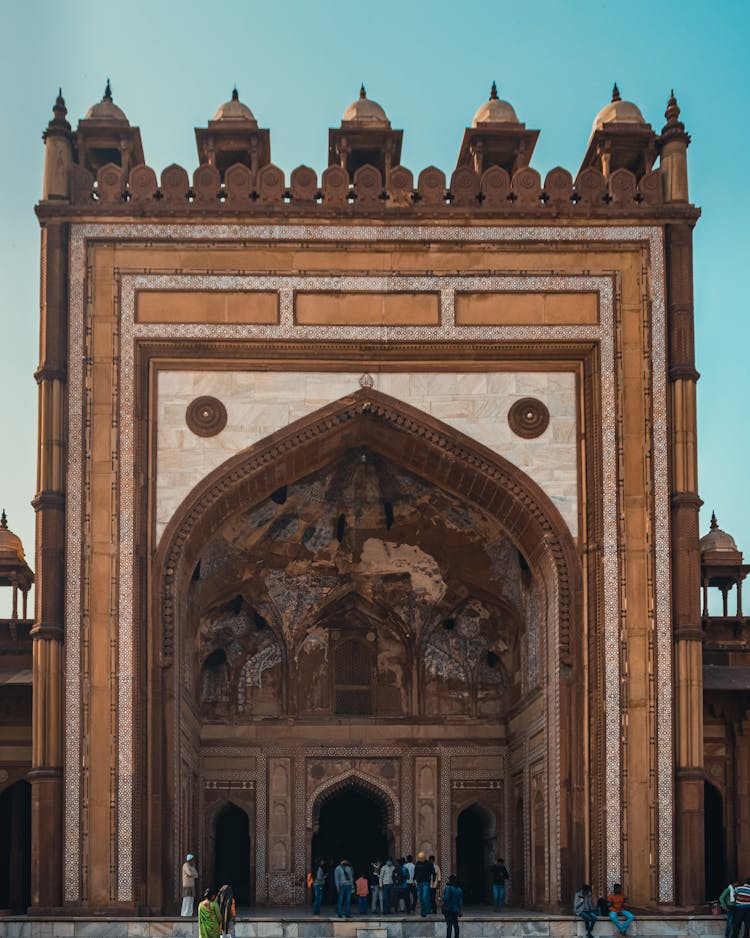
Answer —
(426, 804)
(280, 811)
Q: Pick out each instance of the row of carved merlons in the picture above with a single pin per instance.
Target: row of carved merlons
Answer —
(495, 189)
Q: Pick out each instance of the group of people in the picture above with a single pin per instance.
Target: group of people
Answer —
(613, 907)
(391, 886)
(217, 913)
(386, 887)
(735, 901)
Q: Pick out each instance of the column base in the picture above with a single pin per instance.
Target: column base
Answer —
(46, 839)
(689, 826)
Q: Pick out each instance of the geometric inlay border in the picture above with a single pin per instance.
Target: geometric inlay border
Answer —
(81, 233)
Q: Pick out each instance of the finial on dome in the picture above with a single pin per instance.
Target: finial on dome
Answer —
(107, 92)
(615, 92)
(362, 92)
(714, 522)
(235, 94)
(493, 92)
(4, 521)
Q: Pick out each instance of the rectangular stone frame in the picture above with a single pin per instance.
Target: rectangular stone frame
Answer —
(78, 338)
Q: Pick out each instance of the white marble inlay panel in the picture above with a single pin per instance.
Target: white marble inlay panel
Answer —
(258, 403)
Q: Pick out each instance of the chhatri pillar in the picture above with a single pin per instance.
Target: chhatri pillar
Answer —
(686, 611)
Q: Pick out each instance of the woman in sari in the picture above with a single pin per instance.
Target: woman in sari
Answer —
(225, 898)
(209, 916)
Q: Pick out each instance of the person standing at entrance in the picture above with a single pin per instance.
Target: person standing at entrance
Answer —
(500, 876)
(362, 888)
(189, 877)
(386, 884)
(318, 885)
(209, 916)
(344, 880)
(453, 901)
(377, 895)
(726, 901)
(410, 892)
(741, 910)
(423, 872)
(435, 884)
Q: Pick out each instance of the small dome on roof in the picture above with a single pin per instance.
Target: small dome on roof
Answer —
(364, 111)
(106, 109)
(618, 112)
(495, 111)
(11, 547)
(234, 110)
(718, 540)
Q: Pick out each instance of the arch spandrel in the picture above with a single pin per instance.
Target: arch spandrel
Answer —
(408, 437)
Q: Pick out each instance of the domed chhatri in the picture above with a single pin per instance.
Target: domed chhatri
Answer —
(717, 540)
(235, 110)
(11, 547)
(14, 571)
(364, 137)
(621, 138)
(233, 136)
(618, 112)
(363, 111)
(495, 111)
(106, 109)
(496, 138)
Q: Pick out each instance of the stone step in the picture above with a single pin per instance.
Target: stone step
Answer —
(472, 925)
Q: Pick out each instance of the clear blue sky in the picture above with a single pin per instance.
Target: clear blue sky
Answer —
(430, 64)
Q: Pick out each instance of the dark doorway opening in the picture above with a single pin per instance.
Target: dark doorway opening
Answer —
(473, 847)
(232, 853)
(353, 825)
(714, 841)
(15, 847)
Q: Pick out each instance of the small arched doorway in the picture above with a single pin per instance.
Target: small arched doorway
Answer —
(232, 852)
(15, 847)
(714, 841)
(475, 836)
(352, 823)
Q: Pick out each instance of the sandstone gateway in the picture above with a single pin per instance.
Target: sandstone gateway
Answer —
(373, 495)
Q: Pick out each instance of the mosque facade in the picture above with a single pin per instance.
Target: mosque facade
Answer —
(368, 503)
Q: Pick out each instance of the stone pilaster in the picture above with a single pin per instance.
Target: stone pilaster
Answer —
(688, 636)
(742, 796)
(47, 633)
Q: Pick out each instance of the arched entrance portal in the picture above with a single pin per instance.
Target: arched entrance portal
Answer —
(475, 842)
(352, 824)
(367, 563)
(232, 852)
(15, 847)
(715, 841)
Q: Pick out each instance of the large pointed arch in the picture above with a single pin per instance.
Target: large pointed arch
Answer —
(418, 442)
(440, 455)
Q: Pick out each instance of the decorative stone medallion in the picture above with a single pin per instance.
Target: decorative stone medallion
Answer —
(528, 418)
(206, 416)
